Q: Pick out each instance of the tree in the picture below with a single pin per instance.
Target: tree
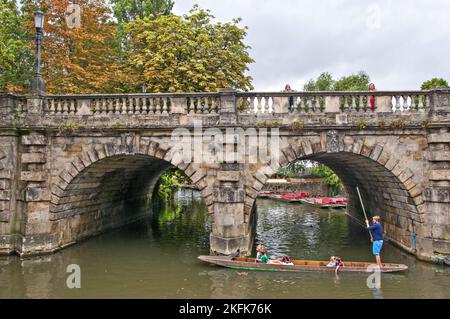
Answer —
(187, 53)
(129, 10)
(80, 59)
(325, 82)
(434, 83)
(16, 56)
(329, 178)
(354, 82)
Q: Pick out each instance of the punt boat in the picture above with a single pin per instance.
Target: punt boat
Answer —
(242, 263)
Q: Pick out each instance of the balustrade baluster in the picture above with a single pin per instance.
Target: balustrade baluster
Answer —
(144, 105)
(103, 107)
(397, 103)
(302, 104)
(413, 103)
(72, 106)
(137, 109)
(52, 106)
(360, 107)
(346, 106)
(130, 105)
(165, 107)
(405, 103)
(58, 106)
(123, 109)
(258, 105)
(157, 105)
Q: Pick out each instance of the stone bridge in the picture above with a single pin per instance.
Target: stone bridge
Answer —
(72, 166)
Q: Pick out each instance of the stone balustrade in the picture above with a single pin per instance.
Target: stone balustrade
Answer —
(139, 104)
(246, 102)
(334, 102)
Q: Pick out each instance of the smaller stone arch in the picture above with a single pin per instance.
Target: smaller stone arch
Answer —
(385, 174)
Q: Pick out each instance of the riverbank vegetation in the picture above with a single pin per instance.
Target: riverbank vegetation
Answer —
(311, 169)
(171, 181)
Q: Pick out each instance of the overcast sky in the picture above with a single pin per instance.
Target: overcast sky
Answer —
(399, 43)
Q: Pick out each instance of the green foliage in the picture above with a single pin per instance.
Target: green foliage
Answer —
(362, 124)
(297, 125)
(16, 56)
(354, 82)
(130, 10)
(188, 53)
(293, 169)
(329, 178)
(170, 181)
(434, 83)
(325, 82)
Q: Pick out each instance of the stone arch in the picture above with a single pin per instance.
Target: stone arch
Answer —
(385, 173)
(96, 183)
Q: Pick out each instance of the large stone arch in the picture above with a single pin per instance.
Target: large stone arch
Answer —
(91, 193)
(388, 171)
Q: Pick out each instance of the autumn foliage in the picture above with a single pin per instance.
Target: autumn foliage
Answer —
(107, 55)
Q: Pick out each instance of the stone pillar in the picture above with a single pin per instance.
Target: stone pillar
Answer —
(332, 104)
(434, 239)
(9, 228)
(35, 195)
(281, 105)
(229, 233)
(228, 110)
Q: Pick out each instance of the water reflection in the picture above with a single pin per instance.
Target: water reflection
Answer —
(157, 258)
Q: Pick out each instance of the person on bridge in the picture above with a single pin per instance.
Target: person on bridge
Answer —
(377, 237)
(288, 88)
(372, 98)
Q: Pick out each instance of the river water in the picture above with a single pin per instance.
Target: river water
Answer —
(157, 258)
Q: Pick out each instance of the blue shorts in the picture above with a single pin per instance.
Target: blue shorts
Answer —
(376, 247)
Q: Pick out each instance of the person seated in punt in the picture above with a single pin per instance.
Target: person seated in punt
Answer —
(335, 262)
(261, 256)
(332, 262)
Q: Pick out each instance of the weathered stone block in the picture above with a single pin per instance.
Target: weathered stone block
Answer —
(439, 156)
(440, 175)
(437, 194)
(405, 175)
(439, 138)
(228, 176)
(199, 174)
(357, 146)
(37, 194)
(307, 149)
(5, 174)
(4, 184)
(376, 152)
(33, 176)
(33, 158)
(4, 216)
(34, 140)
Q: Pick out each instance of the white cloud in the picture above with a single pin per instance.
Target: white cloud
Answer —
(400, 43)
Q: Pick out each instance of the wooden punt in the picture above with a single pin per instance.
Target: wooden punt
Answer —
(242, 263)
(311, 202)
